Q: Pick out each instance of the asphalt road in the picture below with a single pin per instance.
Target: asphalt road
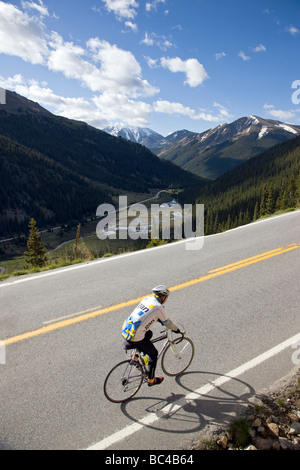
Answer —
(238, 298)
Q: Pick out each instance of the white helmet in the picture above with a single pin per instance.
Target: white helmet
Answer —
(161, 291)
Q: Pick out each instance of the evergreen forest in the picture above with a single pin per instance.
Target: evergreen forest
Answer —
(57, 170)
(263, 185)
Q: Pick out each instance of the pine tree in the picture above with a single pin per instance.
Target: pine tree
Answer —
(270, 206)
(247, 218)
(291, 192)
(263, 202)
(216, 224)
(298, 190)
(36, 254)
(256, 212)
(208, 223)
(240, 218)
(228, 223)
(278, 203)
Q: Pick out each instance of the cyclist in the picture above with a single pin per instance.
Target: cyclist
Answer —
(136, 329)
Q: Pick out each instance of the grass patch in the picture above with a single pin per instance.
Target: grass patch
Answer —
(89, 248)
(239, 430)
(3, 276)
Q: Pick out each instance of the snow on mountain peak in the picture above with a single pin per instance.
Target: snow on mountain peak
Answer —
(134, 134)
(287, 128)
(264, 131)
(254, 120)
(235, 130)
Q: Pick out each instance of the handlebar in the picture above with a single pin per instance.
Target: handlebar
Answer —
(182, 333)
(166, 334)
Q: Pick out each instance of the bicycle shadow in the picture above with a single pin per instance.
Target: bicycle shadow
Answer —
(191, 412)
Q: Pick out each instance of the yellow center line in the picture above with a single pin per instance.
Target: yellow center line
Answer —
(258, 257)
(69, 322)
(233, 267)
(212, 274)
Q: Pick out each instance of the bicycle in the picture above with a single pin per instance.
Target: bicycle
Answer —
(126, 378)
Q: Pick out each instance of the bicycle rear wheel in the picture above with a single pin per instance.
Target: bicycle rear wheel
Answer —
(123, 381)
(177, 357)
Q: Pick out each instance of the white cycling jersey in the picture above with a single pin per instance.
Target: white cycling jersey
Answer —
(148, 311)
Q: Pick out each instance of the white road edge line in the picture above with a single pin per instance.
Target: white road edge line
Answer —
(135, 253)
(65, 317)
(174, 407)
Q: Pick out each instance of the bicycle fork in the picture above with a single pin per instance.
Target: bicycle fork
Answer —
(177, 354)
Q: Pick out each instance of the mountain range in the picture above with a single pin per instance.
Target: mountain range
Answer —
(262, 185)
(214, 152)
(147, 137)
(58, 170)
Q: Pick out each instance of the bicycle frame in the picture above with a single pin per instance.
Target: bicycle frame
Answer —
(160, 338)
(125, 378)
(156, 340)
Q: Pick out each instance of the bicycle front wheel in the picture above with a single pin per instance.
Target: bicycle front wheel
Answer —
(123, 381)
(177, 357)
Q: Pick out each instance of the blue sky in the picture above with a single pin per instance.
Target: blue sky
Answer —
(163, 64)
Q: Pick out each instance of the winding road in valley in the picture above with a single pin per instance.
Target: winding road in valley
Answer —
(238, 298)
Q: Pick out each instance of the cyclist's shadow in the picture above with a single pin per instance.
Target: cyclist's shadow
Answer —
(190, 411)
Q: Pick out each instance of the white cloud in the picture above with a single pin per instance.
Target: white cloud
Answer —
(153, 39)
(153, 4)
(194, 71)
(243, 56)
(223, 112)
(123, 9)
(116, 106)
(40, 8)
(107, 107)
(112, 74)
(148, 40)
(73, 108)
(259, 48)
(177, 27)
(98, 112)
(152, 63)
(120, 71)
(167, 107)
(220, 55)
(100, 66)
(292, 30)
(32, 90)
(68, 59)
(279, 113)
(132, 26)
(21, 35)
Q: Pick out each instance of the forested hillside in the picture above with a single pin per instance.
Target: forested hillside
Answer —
(55, 169)
(218, 150)
(34, 185)
(264, 184)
